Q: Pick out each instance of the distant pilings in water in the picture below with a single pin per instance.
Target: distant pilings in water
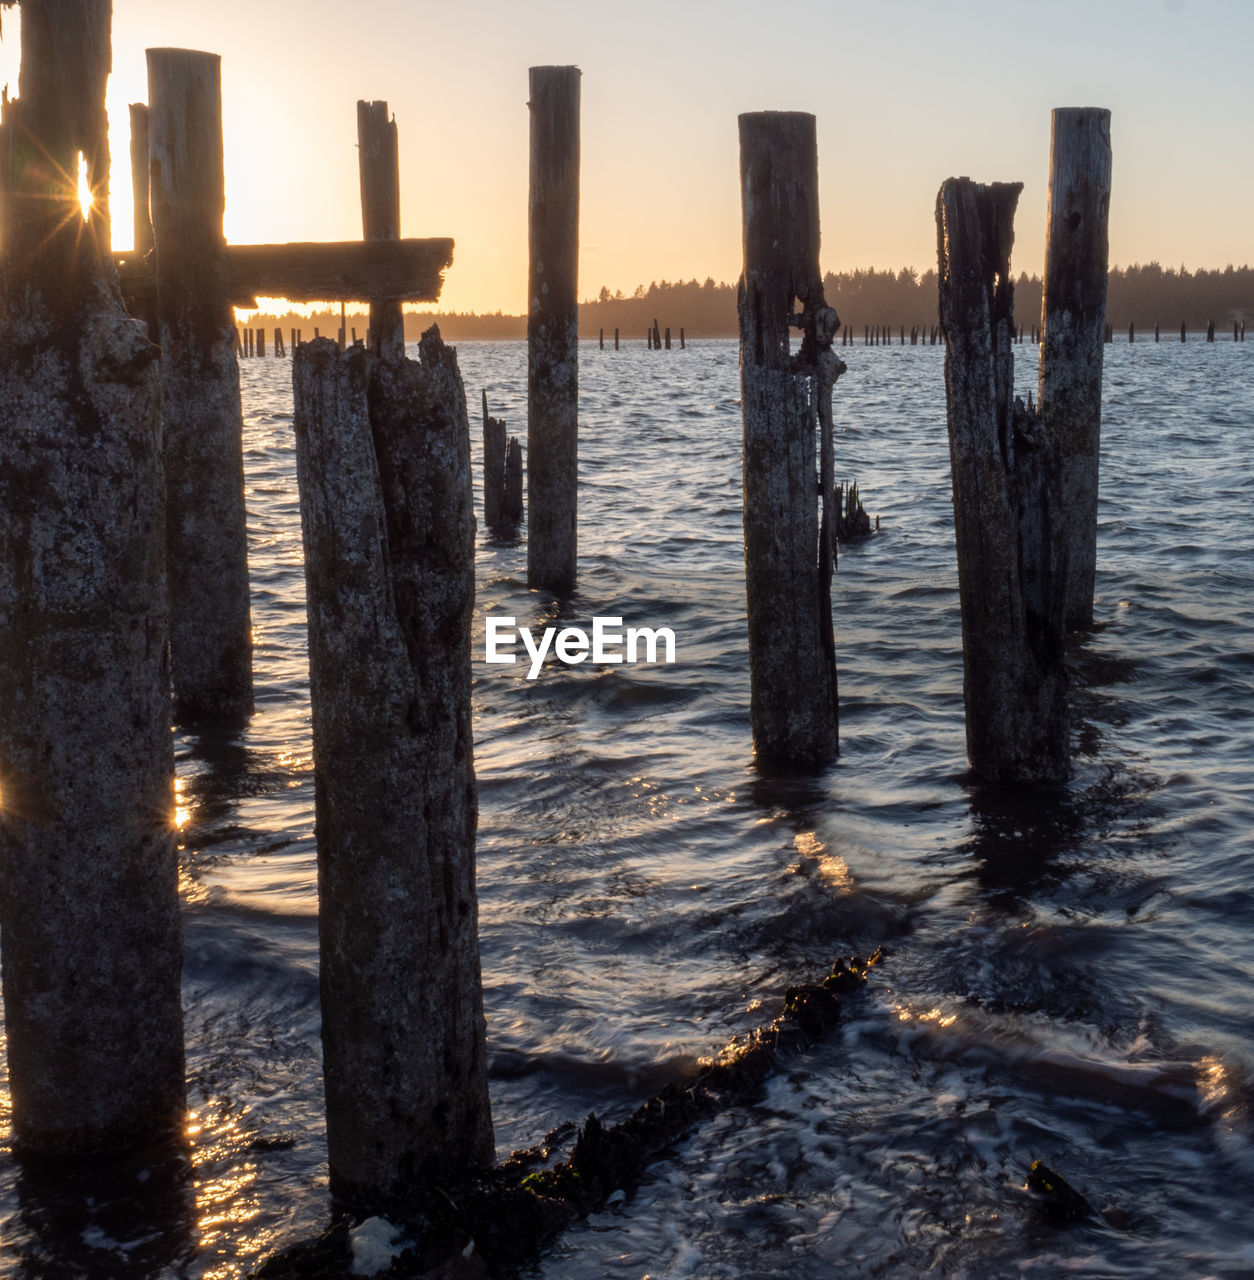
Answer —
(502, 475)
(1073, 332)
(383, 463)
(210, 626)
(1005, 488)
(552, 330)
(89, 909)
(789, 551)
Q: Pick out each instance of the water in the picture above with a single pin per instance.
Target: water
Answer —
(1068, 981)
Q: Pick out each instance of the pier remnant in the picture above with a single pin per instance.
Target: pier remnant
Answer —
(383, 463)
(502, 475)
(789, 552)
(207, 552)
(1073, 331)
(379, 163)
(89, 913)
(1011, 561)
(552, 330)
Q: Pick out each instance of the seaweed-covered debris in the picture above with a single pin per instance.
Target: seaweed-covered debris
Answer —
(504, 1218)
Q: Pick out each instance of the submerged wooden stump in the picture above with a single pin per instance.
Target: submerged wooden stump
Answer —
(89, 913)
(210, 624)
(493, 467)
(383, 457)
(1073, 335)
(789, 554)
(552, 330)
(1011, 560)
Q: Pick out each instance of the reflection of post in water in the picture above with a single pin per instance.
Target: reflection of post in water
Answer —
(145, 1201)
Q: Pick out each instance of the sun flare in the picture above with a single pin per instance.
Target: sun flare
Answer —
(85, 197)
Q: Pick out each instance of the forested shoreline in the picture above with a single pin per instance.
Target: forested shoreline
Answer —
(1142, 294)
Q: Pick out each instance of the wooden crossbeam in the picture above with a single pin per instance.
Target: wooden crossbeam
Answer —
(337, 271)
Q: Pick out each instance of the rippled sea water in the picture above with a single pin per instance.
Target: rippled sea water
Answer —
(1070, 979)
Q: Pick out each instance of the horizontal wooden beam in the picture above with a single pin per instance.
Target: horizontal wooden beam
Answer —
(343, 271)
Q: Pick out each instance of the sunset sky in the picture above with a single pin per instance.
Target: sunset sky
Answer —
(906, 94)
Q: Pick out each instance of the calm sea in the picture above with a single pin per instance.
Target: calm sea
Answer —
(1069, 981)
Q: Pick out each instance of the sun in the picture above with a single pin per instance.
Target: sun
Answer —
(85, 197)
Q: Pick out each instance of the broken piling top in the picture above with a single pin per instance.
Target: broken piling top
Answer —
(779, 225)
(378, 151)
(1073, 330)
(552, 329)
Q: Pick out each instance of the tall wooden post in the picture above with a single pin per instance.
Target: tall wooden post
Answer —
(383, 462)
(1005, 484)
(552, 330)
(789, 555)
(210, 628)
(89, 914)
(141, 218)
(1073, 329)
(379, 165)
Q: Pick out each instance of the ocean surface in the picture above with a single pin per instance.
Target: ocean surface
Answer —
(1070, 979)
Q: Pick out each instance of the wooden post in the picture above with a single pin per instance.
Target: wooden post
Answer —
(1131, 332)
(1181, 330)
(789, 554)
(380, 176)
(278, 342)
(1073, 330)
(681, 337)
(210, 627)
(553, 330)
(141, 219)
(1235, 330)
(601, 340)
(493, 467)
(261, 342)
(512, 506)
(89, 910)
(1005, 485)
(615, 339)
(295, 335)
(383, 463)
(668, 337)
(1155, 330)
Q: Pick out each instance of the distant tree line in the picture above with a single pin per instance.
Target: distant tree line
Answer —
(1140, 294)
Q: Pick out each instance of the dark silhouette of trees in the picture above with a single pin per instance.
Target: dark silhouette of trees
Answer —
(1139, 294)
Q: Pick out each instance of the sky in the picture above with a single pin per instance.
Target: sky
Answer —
(906, 93)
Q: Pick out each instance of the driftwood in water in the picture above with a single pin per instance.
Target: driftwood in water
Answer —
(383, 462)
(1073, 322)
(552, 331)
(1005, 486)
(207, 543)
(89, 913)
(379, 164)
(789, 552)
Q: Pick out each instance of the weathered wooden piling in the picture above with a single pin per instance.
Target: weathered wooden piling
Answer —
(1073, 329)
(383, 462)
(1131, 332)
(1155, 330)
(789, 552)
(681, 337)
(493, 466)
(552, 330)
(601, 340)
(279, 349)
(1210, 331)
(1005, 485)
(615, 339)
(261, 342)
(512, 506)
(667, 338)
(207, 545)
(380, 173)
(1181, 330)
(89, 913)
(141, 219)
